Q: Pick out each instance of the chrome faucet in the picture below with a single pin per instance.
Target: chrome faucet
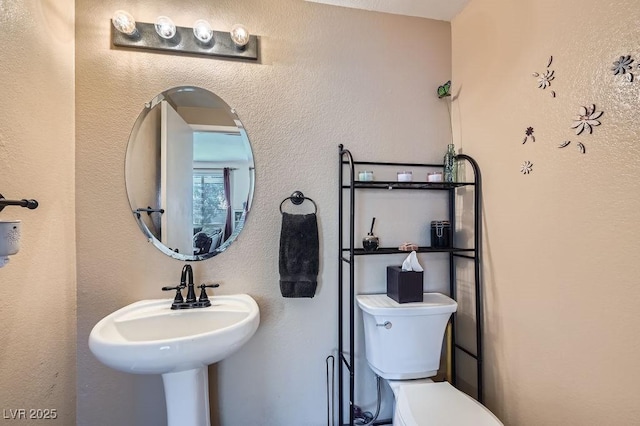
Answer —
(186, 280)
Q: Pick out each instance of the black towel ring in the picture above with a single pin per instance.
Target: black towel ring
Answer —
(298, 198)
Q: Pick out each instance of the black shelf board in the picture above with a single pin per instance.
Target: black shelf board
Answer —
(380, 184)
(386, 163)
(394, 250)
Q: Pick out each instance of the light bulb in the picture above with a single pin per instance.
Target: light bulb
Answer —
(165, 27)
(124, 22)
(239, 35)
(202, 31)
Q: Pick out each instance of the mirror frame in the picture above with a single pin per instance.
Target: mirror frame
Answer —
(148, 107)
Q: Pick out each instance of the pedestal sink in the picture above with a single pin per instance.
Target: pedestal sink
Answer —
(147, 337)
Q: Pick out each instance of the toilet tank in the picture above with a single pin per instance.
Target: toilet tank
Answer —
(404, 340)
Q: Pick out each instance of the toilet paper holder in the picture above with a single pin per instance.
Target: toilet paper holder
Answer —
(10, 229)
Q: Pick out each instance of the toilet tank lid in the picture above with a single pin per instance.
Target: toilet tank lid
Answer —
(381, 304)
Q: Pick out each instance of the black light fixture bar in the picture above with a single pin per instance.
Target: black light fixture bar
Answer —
(184, 42)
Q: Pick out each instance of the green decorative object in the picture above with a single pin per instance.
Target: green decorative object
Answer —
(443, 91)
(450, 165)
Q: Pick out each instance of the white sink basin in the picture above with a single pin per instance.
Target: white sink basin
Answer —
(147, 337)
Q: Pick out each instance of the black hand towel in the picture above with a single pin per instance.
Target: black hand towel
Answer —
(299, 261)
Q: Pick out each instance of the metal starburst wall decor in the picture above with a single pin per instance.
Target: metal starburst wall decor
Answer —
(545, 78)
(587, 119)
(581, 148)
(529, 135)
(624, 67)
(526, 167)
(584, 122)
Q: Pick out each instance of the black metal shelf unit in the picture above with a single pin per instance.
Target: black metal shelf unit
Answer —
(349, 253)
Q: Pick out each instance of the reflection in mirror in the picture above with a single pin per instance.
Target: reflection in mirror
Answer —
(189, 173)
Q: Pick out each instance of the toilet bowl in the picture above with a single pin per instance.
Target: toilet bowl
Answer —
(439, 404)
(403, 345)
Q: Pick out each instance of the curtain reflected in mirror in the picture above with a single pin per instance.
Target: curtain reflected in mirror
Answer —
(189, 173)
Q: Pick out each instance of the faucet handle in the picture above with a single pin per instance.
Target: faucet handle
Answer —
(203, 294)
(178, 298)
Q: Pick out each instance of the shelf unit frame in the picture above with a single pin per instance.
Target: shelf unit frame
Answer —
(347, 256)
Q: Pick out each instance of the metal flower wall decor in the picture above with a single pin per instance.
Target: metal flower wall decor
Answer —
(588, 116)
(545, 78)
(624, 67)
(581, 148)
(526, 168)
(587, 119)
(529, 135)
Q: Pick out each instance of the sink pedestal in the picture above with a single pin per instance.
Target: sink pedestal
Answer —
(187, 396)
(148, 337)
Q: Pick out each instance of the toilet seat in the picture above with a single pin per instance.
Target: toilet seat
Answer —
(439, 404)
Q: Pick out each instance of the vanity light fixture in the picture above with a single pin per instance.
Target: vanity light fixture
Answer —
(202, 31)
(164, 35)
(165, 27)
(124, 23)
(240, 36)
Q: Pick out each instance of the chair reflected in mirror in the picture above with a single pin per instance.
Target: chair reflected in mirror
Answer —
(206, 242)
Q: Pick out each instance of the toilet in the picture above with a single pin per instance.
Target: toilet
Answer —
(403, 344)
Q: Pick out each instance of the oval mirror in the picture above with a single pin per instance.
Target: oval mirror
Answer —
(189, 173)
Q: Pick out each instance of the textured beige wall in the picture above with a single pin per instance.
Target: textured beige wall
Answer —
(327, 76)
(37, 310)
(561, 244)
